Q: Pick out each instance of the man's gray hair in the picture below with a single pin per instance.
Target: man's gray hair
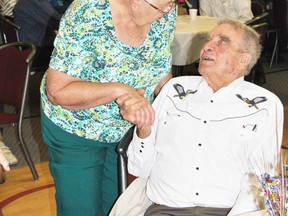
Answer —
(250, 40)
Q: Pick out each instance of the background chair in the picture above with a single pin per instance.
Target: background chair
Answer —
(259, 23)
(258, 19)
(9, 29)
(15, 67)
(124, 178)
(280, 19)
(10, 33)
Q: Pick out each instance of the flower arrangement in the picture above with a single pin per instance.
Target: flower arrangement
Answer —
(272, 194)
(274, 189)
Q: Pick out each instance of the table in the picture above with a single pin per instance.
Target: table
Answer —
(189, 38)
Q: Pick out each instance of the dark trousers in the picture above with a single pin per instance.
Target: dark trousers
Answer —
(84, 172)
(161, 210)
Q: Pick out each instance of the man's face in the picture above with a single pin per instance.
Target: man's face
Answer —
(220, 57)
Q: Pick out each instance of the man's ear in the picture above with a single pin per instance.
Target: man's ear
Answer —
(244, 60)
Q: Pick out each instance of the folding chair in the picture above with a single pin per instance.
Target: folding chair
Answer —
(258, 19)
(15, 67)
(280, 18)
(9, 29)
(259, 24)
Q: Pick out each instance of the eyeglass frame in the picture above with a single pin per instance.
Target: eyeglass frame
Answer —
(171, 5)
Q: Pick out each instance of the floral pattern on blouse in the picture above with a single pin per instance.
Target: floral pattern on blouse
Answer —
(87, 48)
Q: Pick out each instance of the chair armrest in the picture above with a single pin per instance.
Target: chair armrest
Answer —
(124, 143)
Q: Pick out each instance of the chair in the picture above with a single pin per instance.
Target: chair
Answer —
(257, 8)
(9, 29)
(123, 177)
(257, 74)
(257, 19)
(280, 17)
(261, 28)
(10, 33)
(15, 67)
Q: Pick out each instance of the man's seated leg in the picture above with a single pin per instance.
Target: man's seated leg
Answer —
(159, 210)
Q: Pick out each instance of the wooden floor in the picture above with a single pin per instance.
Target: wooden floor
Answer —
(21, 195)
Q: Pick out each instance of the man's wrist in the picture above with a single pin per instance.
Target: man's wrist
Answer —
(143, 133)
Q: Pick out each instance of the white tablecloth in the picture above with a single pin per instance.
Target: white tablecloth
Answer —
(189, 36)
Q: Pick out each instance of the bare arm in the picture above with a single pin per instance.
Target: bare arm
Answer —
(73, 93)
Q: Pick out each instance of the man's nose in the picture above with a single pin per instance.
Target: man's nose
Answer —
(208, 46)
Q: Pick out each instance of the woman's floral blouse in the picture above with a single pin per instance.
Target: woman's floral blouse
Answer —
(87, 48)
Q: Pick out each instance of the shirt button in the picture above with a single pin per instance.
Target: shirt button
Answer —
(197, 194)
(197, 168)
(205, 121)
(140, 151)
(199, 144)
(211, 101)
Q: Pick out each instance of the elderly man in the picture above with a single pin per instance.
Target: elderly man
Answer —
(207, 137)
(230, 9)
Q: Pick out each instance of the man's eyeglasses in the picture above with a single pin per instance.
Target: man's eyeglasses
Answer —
(164, 10)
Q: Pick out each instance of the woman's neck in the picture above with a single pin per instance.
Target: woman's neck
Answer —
(128, 30)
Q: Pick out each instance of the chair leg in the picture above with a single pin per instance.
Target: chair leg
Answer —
(27, 155)
(275, 50)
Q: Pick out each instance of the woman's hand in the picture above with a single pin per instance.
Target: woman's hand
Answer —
(135, 108)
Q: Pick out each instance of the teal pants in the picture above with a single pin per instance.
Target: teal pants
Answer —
(84, 172)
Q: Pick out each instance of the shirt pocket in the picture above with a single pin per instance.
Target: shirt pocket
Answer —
(173, 127)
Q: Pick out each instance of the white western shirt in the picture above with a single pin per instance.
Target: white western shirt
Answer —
(205, 147)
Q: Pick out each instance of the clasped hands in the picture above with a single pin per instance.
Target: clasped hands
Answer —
(135, 108)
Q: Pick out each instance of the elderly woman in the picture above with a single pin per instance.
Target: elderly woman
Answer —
(104, 49)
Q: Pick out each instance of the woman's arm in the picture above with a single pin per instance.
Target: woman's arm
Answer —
(73, 93)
